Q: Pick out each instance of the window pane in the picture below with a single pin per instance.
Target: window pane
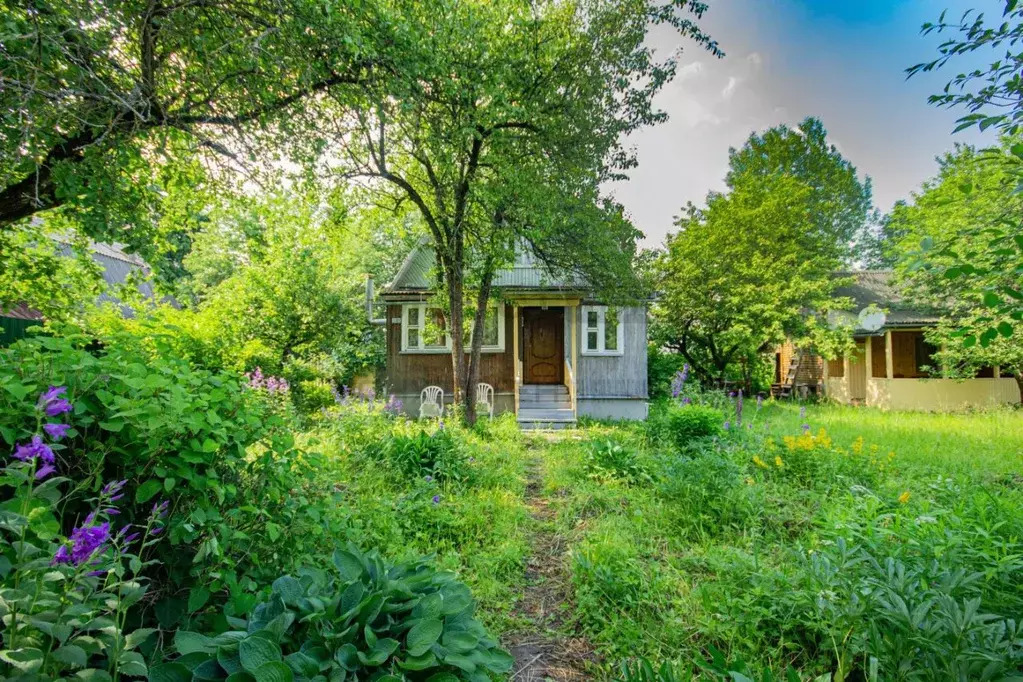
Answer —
(413, 338)
(435, 328)
(611, 330)
(490, 337)
(591, 340)
(413, 317)
(591, 319)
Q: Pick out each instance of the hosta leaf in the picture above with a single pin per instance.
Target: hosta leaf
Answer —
(442, 677)
(347, 656)
(208, 671)
(170, 672)
(190, 642)
(421, 637)
(240, 677)
(460, 661)
(256, 652)
(460, 642)
(303, 665)
(289, 588)
(427, 660)
(348, 565)
(275, 671)
(229, 660)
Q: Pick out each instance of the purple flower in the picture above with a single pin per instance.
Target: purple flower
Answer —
(113, 487)
(428, 478)
(687, 400)
(32, 450)
(59, 406)
(86, 541)
(44, 471)
(727, 425)
(160, 509)
(760, 402)
(471, 460)
(679, 382)
(731, 394)
(156, 531)
(802, 412)
(56, 431)
(738, 409)
(806, 428)
(96, 574)
(436, 499)
(49, 395)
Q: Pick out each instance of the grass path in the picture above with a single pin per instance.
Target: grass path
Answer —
(542, 648)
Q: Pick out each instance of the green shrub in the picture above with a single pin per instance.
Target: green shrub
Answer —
(64, 602)
(361, 619)
(682, 425)
(708, 494)
(437, 455)
(221, 453)
(607, 460)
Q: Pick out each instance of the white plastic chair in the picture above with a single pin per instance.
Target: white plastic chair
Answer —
(431, 402)
(485, 397)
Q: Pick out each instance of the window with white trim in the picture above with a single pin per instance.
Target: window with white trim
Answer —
(602, 331)
(493, 328)
(424, 329)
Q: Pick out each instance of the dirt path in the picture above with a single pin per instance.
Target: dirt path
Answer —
(544, 651)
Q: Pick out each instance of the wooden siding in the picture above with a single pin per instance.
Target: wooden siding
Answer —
(412, 372)
(811, 372)
(613, 376)
(858, 372)
(878, 365)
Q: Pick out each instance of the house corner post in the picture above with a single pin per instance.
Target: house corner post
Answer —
(889, 360)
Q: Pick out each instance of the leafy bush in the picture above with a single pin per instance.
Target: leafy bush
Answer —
(606, 459)
(681, 425)
(64, 601)
(436, 455)
(718, 668)
(221, 452)
(707, 493)
(361, 619)
(812, 460)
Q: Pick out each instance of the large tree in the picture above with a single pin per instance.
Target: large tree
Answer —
(509, 137)
(93, 95)
(964, 275)
(743, 273)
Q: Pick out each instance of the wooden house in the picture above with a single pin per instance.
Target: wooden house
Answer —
(551, 351)
(892, 367)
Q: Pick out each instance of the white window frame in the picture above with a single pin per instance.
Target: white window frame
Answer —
(423, 308)
(421, 348)
(601, 311)
(499, 348)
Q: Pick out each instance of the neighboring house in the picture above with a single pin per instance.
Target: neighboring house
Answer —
(889, 366)
(117, 266)
(550, 350)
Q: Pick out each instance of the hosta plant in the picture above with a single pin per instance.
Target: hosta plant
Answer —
(361, 619)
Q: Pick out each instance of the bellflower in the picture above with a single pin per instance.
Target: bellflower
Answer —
(802, 412)
(44, 471)
(51, 403)
(727, 425)
(436, 499)
(36, 448)
(56, 431)
(86, 541)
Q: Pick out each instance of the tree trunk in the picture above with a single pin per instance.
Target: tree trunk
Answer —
(455, 302)
(1019, 383)
(476, 350)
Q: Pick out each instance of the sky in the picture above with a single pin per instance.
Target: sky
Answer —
(842, 61)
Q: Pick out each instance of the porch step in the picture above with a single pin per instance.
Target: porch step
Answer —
(526, 404)
(543, 390)
(532, 418)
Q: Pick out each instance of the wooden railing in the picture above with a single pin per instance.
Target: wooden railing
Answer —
(518, 382)
(570, 383)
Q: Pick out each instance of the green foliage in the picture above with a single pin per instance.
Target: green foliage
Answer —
(682, 425)
(741, 273)
(660, 368)
(710, 494)
(960, 251)
(609, 460)
(422, 453)
(361, 619)
(70, 616)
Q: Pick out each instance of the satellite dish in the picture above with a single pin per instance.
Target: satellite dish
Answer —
(871, 319)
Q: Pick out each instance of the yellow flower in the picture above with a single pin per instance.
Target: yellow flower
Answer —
(759, 462)
(857, 445)
(778, 463)
(790, 442)
(904, 497)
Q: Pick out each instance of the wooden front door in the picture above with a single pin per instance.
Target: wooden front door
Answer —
(543, 336)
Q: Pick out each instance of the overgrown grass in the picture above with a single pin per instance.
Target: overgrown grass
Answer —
(780, 548)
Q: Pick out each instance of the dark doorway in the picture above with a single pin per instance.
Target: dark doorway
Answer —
(543, 337)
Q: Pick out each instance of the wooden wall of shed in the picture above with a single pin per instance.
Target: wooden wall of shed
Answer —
(811, 372)
(878, 364)
(613, 376)
(412, 372)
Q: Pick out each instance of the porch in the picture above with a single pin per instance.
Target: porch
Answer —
(545, 360)
(895, 371)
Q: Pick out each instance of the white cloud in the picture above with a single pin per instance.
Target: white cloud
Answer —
(691, 70)
(729, 90)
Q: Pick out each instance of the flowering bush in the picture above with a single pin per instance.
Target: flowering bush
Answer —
(813, 460)
(360, 619)
(64, 602)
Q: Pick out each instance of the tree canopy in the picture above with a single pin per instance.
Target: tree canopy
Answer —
(758, 263)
